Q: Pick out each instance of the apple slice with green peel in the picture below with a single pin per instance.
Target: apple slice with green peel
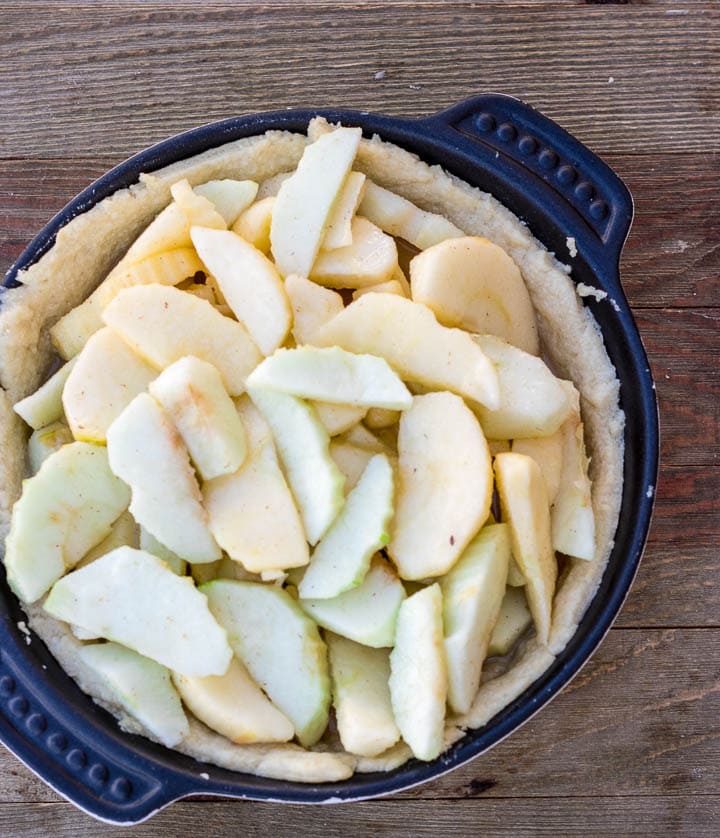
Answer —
(573, 523)
(305, 200)
(533, 402)
(150, 544)
(233, 705)
(421, 351)
(124, 533)
(472, 283)
(229, 197)
(146, 451)
(45, 441)
(523, 498)
(143, 688)
(338, 232)
(351, 460)
(303, 445)
(332, 375)
(473, 592)
(163, 324)
(133, 598)
(67, 508)
(250, 283)
(547, 451)
(253, 224)
(253, 516)
(197, 209)
(313, 306)
(44, 406)
(106, 378)
(342, 558)
(371, 258)
(338, 418)
(512, 622)
(281, 648)
(361, 696)
(444, 489)
(366, 613)
(418, 673)
(402, 219)
(192, 393)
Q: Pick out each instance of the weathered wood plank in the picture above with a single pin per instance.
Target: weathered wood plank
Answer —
(629, 78)
(647, 701)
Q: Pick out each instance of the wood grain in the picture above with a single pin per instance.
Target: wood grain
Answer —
(115, 78)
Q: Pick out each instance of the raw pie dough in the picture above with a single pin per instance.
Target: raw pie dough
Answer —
(572, 344)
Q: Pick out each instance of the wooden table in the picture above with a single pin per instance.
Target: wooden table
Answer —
(631, 746)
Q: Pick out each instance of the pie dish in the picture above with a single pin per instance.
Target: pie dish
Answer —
(573, 204)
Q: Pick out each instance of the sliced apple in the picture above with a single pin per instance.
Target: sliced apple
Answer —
(418, 673)
(472, 283)
(106, 378)
(67, 508)
(342, 558)
(515, 576)
(444, 489)
(163, 324)
(305, 200)
(124, 533)
(146, 452)
(142, 686)
(573, 523)
(281, 648)
(512, 622)
(415, 345)
(533, 402)
(362, 437)
(313, 306)
(338, 418)
(303, 445)
(367, 613)
(392, 286)
(497, 446)
(193, 395)
(197, 209)
(45, 441)
(338, 232)
(229, 197)
(250, 284)
(370, 258)
(380, 417)
(473, 592)
(401, 218)
(133, 598)
(253, 224)
(351, 460)
(523, 498)
(169, 230)
(547, 452)
(44, 406)
(332, 375)
(150, 544)
(361, 696)
(233, 705)
(225, 568)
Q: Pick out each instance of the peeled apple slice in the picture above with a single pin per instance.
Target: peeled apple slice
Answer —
(163, 324)
(361, 696)
(392, 286)
(338, 418)
(45, 441)
(197, 209)
(401, 218)
(332, 375)
(142, 687)
(339, 227)
(229, 197)
(147, 453)
(251, 285)
(547, 452)
(133, 598)
(523, 498)
(342, 558)
(418, 673)
(124, 533)
(303, 445)
(313, 306)
(370, 258)
(67, 508)
(444, 488)
(233, 705)
(350, 459)
(473, 592)
(281, 648)
(533, 402)
(472, 283)
(254, 224)
(513, 620)
(305, 200)
(105, 379)
(421, 351)
(44, 406)
(192, 393)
